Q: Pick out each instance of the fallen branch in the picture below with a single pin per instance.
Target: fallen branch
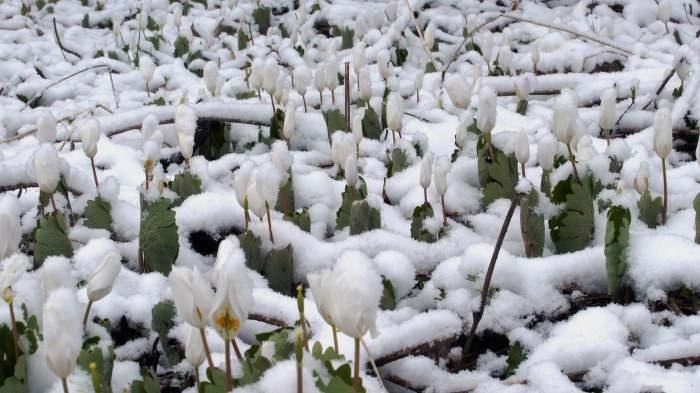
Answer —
(487, 280)
(661, 87)
(268, 320)
(419, 349)
(21, 186)
(58, 40)
(464, 41)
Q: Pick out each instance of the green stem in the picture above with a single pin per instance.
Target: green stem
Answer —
(94, 172)
(491, 153)
(665, 209)
(573, 162)
(64, 381)
(335, 338)
(607, 136)
(15, 332)
(444, 211)
(196, 378)
(522, 169)
(95, 378)
(356, 377)
(235, 349)
(205, 344)
(425, 196)
(269, 222)
(87, 314)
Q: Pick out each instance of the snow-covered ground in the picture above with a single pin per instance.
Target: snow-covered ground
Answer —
(572, 342)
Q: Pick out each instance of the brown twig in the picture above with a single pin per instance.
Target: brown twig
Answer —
(487, 280)
(661, 87)
(58, 40)
(414, 350)
(268, 320)
(464, 41)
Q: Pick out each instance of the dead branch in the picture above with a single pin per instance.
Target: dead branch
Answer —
(414, 350)
(58, 40)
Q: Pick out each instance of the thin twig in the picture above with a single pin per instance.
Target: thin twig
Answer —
(487, 280)
(420, 33)
(414, 350)
(20, 186)
(42, 91)
(661, 87)
(464, 41)
(58, 40)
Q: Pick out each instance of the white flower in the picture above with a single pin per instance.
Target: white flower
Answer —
(564, 118)
(192, 295)
(426, 170)
(185, 126)
(459, 90)
(664, 11)
(320, 77)
(267, 183)
(360, 27)
(505, 58)
(383, 63)
(56, 273)
(682, 65)
(46, 127)
(418, 81)
(102, 279)
(289, 117)
(472, 22)
(89, 134)
(522, 87)
(365, 84)
(194, 347)
(256, 203)
(357, 289)
(322, 291)
(357, 129)
(331, 49)
(62, 331)
(256, 74)
(148, 127)
(390, 11)
(663, 133)
(233, 300)
(486, 111)
(147, 68)
(13, 268)
(608, 110)
(442, 168)
(11, 233)
(546, 151)
(283, 160)
(462, 134)
(394, 113)
(522, 147)
(358, 56)
(117, 20)
(351, 175)
(210, 75)
(332, 73)
(177, 15)
(241, 179)
(270, 72)
(535, 53)
(302, 77)
(342, 146)
(429, 36)
(641, 181)
(486, 45)
(46, 166)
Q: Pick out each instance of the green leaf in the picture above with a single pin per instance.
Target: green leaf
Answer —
(278, 268)
(472, 46)
(401, 55)
(12, 384)
(335, 120)
(158, 238)
(40, 4)
(246, 95)
(104, 364)
(348, 35)
(7, 354)
(364, 218)
(696, 206)
(532, 225)
(545, 182)
(242, 39)
(150, 383)
(52, 239)
(328, 355)
(522, 107)
(182, 47)
(185, 185)
(286, 197)
(155, 40)
(162, 315)
(284, 344)
(617, 235)
(371, 128)
(430, 67)
(261, 15)
(300, 219)
(276, 128)
(251, 248)
(516, 355)
(399, 162)
(217, 143)
(341, 380)
(315, 7)
(388, 300)
(418, 231)
(86, 21)
(572, 229)
(160, 101)
(342, 219)
(502, 177)
(152, 25)
(650, 210)
(98, 215)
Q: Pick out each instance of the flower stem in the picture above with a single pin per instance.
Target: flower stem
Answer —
(205, 344)
(444, 211)
(95, 378)
(333, 96)
(87, 314)
(356, 377)
(247, 219)
(607, 136)
(235, 349)
(15, 332)
(64, 381)
(269, 223)
(491, 153)
(320, 95)
(196, 377)
(549, 184)
(665, 209)
(335, 338)
(522, 170)
(229, 379)
(94, 172)
(304, 98)
(573, 162)
(148, 91)
(53, 203)
(425, 196)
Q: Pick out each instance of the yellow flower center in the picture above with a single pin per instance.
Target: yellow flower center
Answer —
(227, 323)
(8, 295)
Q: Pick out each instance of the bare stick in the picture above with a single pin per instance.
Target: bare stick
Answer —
(420, 33)
(487, 280)
(347, 97)
(58, 40)
(661, 87)
(464, 41)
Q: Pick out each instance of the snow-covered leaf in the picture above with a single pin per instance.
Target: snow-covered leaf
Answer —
(185, 185)
(163, 314)
(278, 268)
(573, 228)
(158, 239)
(98, 215)
(52, 239)
(251, 248)
(364, 218)
(532, 225)
(617, 235)
(650, 209)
